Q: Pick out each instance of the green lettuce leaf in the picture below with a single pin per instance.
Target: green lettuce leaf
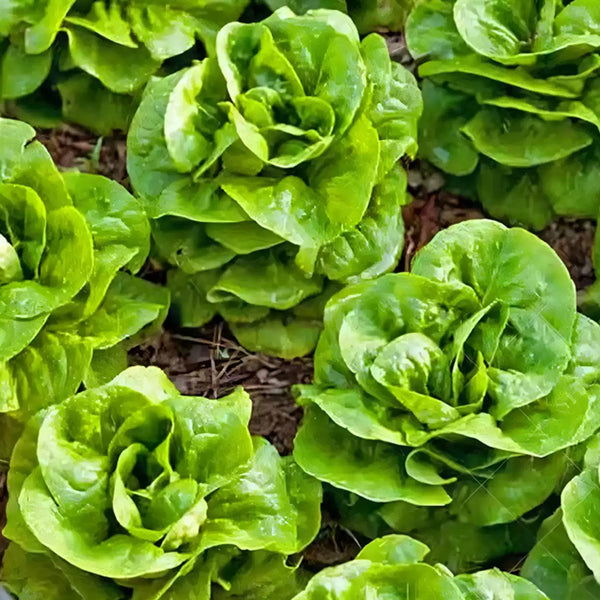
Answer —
(510, 97)
(369, 15)
(391, 568)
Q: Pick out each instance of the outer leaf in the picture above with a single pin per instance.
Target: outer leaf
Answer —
(358, 578)
(441, 138)
(497, 584)
(122, 70)
(22, 73)
(371, 469)
(60, 361)
(247, 512)
(524, 141)
(516, 195)
(80, 92)
(374, 15)
(556, 567)
(188, 292)
(282, 285)
(431, 32)
(38, 576)
(579, 497)
(495, 29)
(279, 335)
(375, 245)
(395, 550)
(259, 576)
(129, 305)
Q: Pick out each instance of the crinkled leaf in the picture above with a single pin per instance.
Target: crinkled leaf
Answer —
(280, 335)
(122, 70)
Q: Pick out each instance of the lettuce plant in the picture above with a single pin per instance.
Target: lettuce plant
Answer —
(511, 97)
(368, 15)
(450, 402)
(131, 490)
(98, 54)
(272, 170)
(565, 562)
(391, 568)
(68, 306)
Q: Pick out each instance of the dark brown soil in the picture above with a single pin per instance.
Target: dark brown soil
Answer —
(72, 147)
(333, 545)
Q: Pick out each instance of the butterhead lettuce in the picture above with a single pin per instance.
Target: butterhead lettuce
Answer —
(130, 490)
(271, 173)
(69, 302)
(511, 106)
(451, 402)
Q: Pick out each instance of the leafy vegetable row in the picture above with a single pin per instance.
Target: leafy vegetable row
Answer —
(453, 403)
(98, 55)
(511, 108)
(69, 303)
(131, 490)
(271, 173)
(87, 61)
(511, 86)
(457, 403)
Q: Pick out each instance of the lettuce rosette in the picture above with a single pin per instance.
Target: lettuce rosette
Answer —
(392, 568)
(98, 55)
(70, 304)
(452, 402)
(368, 15)
(271, 172)
(565, 562)
(131, 490)
(511, 103)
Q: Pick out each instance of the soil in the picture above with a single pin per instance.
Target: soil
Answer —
(208, 362)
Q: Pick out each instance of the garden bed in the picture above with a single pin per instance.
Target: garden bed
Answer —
(208, 362)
